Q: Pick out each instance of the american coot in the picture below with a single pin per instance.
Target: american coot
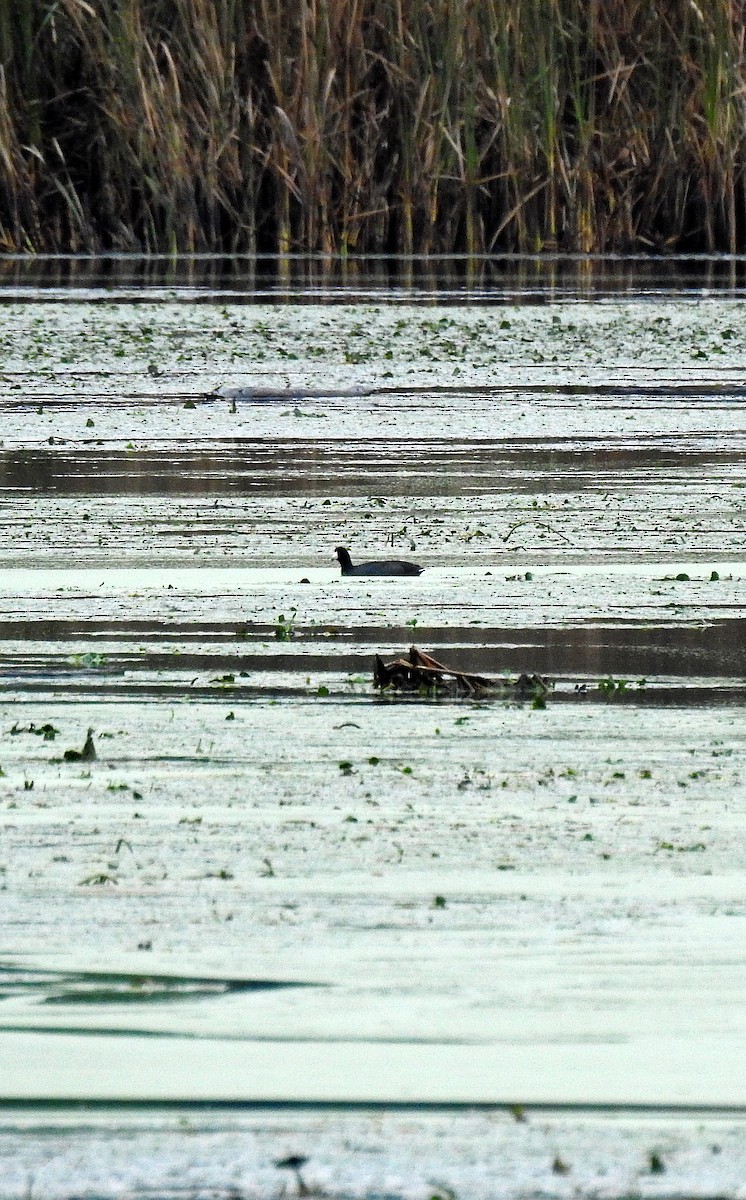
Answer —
(387, 566)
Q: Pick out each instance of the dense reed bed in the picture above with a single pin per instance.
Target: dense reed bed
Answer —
(351, 126)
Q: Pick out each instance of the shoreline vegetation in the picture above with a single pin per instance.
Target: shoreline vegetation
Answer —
(372, 126)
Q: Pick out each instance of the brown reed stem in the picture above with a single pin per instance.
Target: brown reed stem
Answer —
(372, 125)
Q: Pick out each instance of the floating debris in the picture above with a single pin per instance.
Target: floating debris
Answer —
(422, 673)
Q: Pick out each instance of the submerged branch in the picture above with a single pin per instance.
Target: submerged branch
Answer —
(421, 673)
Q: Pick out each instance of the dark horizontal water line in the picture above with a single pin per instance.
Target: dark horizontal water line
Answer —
(82, 1105)
(340, 451)
(246, 1039)
(609, 631)
(648, 258)
(698, 389)
(69, 629)
(585, 692)
(296, 453)
(33, 979)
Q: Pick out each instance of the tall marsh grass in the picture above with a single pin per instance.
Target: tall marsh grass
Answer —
(388, 126)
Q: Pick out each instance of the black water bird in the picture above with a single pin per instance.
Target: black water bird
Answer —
(386, 566)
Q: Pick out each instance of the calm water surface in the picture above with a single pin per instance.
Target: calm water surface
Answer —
(500, 279)
(270, 886)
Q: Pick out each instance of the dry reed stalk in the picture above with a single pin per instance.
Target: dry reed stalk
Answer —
(372, 125)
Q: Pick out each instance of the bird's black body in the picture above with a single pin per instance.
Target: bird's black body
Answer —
(386, 566)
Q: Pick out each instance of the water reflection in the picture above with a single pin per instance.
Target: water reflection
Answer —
(496, 279)
(396, 468)
(578, 651)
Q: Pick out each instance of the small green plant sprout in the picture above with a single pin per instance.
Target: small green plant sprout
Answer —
(439, 902)
(322, 690)
(714, 577)
(226, 680)
(559, 1166)
(609, 685)
(412, 622)
(346, 768)
(88, 662)
(656, 1164)
(47, 731)
(101, 879)
(682, 577)
(285, 626)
